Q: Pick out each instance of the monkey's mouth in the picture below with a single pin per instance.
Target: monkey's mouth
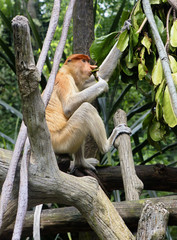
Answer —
(94, 72)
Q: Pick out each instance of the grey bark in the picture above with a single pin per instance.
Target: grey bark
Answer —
(132, 184)
(153, 222)
(69, 219)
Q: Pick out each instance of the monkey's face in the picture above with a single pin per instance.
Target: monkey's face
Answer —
(84, 68)
(81, 70)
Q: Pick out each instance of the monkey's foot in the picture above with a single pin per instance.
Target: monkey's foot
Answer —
(85, 167)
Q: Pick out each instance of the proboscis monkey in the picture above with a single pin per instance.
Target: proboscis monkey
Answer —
(70, 115)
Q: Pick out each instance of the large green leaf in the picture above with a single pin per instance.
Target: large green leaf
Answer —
(142, 69)
(173, 34)
(101, 47)
(156, 131)
(168, 112)
(159, 24)
(123, 40)
(173, 64)
(146, 41)
(138, 16)
(157, 73)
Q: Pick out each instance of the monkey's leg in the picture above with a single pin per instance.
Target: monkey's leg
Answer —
(81, 163)
(84, 120)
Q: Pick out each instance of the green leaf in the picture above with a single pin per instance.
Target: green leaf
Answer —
(157, 73)
(160, 93)
(173, 34)
(125, 69)
(11, 65)
(11, 109)
(8, 52)
(101, 47)
(138, 16)
(159, 24)
(6, 21)
(138, 8)
(156, 131)
(131, 64)
(173, 64)
(123, 40)
(142, 71)
(174, 76)
(155, 1)
(147, 120)
(159, 99)
(146, 41)
(168, 113)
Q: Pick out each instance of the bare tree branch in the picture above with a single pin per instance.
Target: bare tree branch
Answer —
(69, 219)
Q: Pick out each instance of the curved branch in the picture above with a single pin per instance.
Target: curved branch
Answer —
(162, 54)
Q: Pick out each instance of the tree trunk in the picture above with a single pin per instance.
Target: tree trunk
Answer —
(83, 26)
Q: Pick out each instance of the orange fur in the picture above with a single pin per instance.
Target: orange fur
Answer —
(69, 114)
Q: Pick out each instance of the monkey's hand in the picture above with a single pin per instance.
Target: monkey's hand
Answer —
(104, 84)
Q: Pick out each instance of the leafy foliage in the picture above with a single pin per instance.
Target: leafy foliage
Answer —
(140, 65)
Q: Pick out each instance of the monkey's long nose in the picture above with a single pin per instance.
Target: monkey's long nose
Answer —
(93, 67)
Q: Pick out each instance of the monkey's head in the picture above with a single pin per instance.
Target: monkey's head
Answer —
(80, 68)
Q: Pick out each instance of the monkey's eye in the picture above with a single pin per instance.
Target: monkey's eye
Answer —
(83, 60)
(69, 60)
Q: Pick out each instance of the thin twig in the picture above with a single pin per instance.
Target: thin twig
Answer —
(162, 54)
(142, 25)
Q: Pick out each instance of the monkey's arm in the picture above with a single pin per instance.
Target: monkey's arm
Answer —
(72, 102)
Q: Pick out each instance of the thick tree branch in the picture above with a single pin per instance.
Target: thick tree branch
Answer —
(132, 184)
(153, 221)
(162, 54)
(111, 178)
(69, 219)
